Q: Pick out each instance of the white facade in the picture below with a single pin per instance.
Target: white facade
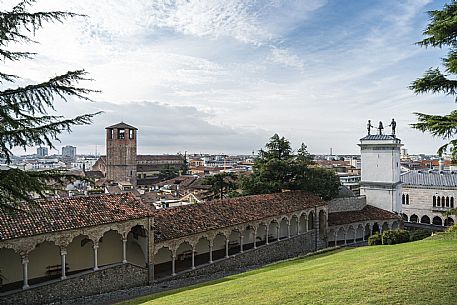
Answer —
(380, 181)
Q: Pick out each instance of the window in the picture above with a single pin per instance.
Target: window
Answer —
(403, 199)
(438, 201)
(110, 134)
(121, 134)
(434, 201)
(447, 202)
(131, 134)
(407, 198)
(452, 202)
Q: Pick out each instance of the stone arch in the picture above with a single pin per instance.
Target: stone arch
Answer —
(261, 236)
(322, 224)
(10, 267)
(248, 237)
(404, 217)
(219, 246)
(395, 225)
(341, 236)
(44, 263)
(375, 228)
(183, 254)
(234, 242)
(425, 219)
(201, 251)
(163, 262)
(359, 233)
(80, 254)
(414, 218)
(331, 240)
(137, 245)
(303, 223)
(311, 220)
(449, 222)
(367, 231)
(294, 225)
(284, 228)
(350, 235)
(273, 229)
(110, 248)
(437, 221)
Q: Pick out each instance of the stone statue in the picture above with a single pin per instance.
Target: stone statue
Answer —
(369, 126)
(380, 128)
(393, 124)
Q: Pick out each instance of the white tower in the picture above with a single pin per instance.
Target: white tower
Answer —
(380, 181)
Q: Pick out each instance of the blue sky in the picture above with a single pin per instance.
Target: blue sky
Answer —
(223, 76)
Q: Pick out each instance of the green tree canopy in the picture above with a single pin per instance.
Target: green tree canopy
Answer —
(441, 32)
(221, 185)
(24, 110)
(278, 168)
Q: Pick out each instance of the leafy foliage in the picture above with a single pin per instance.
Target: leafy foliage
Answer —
(24, 117)
(278, 168)
(167, 173)
(419, 234)
(392, 237)
(440, 32)
(375, 239)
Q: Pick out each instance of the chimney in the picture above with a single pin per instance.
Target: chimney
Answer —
(440, 164)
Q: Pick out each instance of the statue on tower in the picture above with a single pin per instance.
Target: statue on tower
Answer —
(369, 126)
(380, 128)
(393, 124)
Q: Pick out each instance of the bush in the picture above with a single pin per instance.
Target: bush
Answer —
(452, 228)
(419, 234)
(395, 237)
(375, 239)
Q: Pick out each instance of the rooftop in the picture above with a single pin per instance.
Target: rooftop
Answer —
(367, 213)
(68, 213)
(121, 125)
(379, 137)
(186, 220)
(430, 178)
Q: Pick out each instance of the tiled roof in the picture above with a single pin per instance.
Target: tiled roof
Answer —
(379, 137)
(159, 157)
(185, 220)
(444, 178)
(69, 213)
(367, 213)
(121, 125)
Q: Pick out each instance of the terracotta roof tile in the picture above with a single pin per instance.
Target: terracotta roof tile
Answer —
(367, 213)
(180, 221)
(69, 213)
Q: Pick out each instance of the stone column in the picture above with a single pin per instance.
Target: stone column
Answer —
(173, 271)
(95, 256)
(25, 271)
(266, 234)
(124, 250)
(193, 259)
(255, 239)
(241, 242)
(210, 253)
(63, 254)
(226, 248)
(277, 232)
(345, 239)
(336, 238)
(288, 230)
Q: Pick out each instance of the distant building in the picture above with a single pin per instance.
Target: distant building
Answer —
(42, 151)
(69, 152)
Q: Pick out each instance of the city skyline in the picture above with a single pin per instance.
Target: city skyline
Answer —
(224, 77)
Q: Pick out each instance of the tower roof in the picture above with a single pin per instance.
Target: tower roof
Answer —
(379, 137)
(121, 125)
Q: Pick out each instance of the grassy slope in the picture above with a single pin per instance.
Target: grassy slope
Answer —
(423, 272)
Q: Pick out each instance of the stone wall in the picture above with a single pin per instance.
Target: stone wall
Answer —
(346, 204)
(94, 282)
(283, 249)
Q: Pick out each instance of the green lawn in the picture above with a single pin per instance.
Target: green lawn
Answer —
(423, 272)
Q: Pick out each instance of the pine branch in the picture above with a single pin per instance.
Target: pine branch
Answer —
(435, 82)
(34, 98)
(439, 126)
(442, 29)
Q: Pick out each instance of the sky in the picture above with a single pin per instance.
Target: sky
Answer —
(223, 76)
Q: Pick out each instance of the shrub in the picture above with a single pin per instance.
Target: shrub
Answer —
(452, 228)
(395, 237)
(419, 234)
(375, 239)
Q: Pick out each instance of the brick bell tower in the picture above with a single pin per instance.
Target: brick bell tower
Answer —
(121, 153)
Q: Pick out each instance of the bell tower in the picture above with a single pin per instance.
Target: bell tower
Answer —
(380, 183)
(121, 153)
